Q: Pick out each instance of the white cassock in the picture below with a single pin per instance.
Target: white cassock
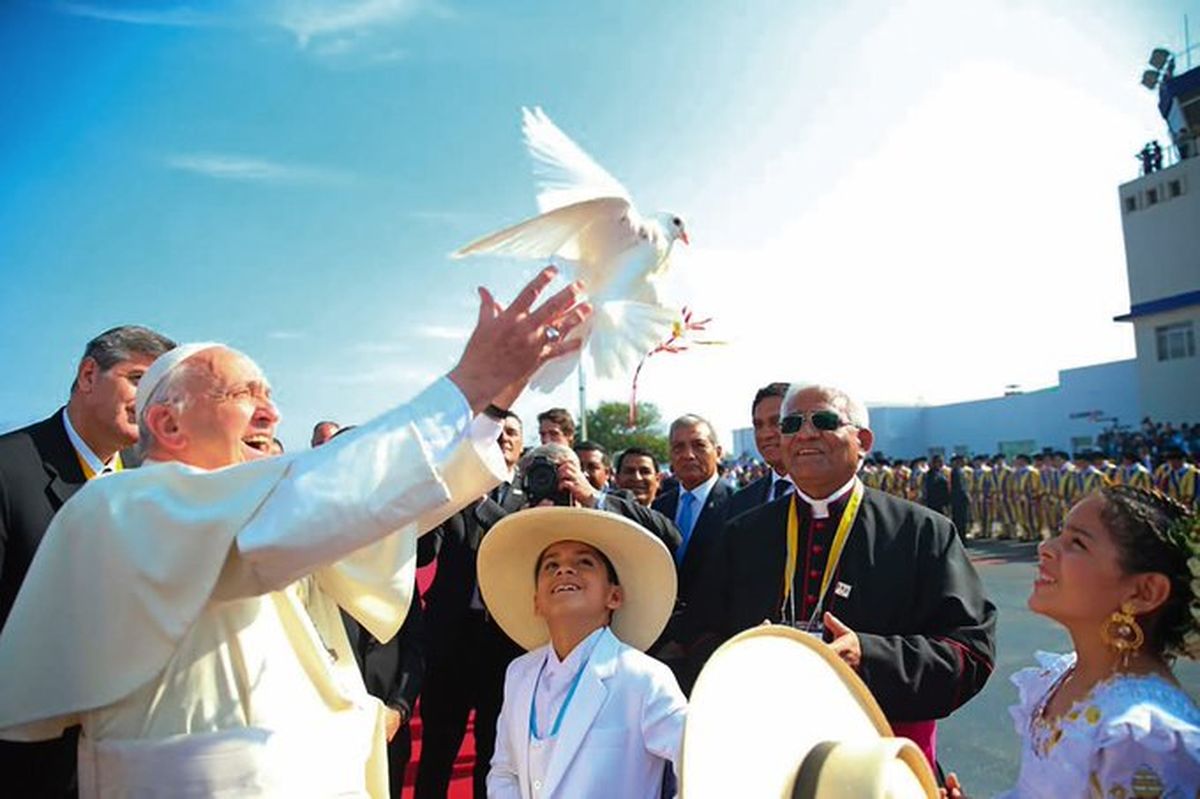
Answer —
(188, 619)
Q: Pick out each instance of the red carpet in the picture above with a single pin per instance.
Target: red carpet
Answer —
(460, 779)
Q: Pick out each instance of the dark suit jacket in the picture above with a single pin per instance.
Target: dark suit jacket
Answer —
(751, 496)
(658, 524)
(704, 532)
(392, 671)
(937, 491)
(39, 471)
(455, 544)
(926, 629)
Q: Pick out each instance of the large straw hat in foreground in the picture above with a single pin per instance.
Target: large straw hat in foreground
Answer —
(776, 713)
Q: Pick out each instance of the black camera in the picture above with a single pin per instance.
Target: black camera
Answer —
(539, 481)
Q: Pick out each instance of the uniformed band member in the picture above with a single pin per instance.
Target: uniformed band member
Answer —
(1027, 498)
(886, 581)
(1180, 478)
(1133, 472)
(983, 491)
(1004, 510)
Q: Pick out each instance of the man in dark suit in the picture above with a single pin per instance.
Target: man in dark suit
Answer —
(41, 466)
(764, 412)
(466, 653)
(937, 487)
(902, 605)
(699, 507)
(393, 672)
(960, 496)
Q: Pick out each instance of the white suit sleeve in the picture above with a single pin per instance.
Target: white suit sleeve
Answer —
(503, 779)
(404, 472)
(663, 713)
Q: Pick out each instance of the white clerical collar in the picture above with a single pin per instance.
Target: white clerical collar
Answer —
(700, 492)
(820, 507)
(90, 458)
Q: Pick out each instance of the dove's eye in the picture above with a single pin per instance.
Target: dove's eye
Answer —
(676, 222)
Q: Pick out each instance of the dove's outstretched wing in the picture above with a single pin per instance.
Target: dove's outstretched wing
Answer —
(566, 174)
(589, 232)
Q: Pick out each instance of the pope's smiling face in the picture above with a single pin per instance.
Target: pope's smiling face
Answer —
(227, 416)
(573, 583)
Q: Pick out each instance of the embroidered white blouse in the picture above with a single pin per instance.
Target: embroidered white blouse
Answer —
(1131, 736)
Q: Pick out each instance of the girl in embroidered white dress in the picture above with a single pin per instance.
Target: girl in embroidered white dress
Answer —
(1109, 719)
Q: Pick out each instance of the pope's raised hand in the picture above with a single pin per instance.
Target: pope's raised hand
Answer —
(509, 344)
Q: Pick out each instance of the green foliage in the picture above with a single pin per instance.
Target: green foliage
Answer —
(608, 426)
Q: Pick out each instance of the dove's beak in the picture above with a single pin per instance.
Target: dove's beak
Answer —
(684, 237)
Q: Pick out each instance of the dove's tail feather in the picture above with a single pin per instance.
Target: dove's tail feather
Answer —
(618, 335)
(623, 332)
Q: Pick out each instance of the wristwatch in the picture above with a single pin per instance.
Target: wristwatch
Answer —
(493, 411)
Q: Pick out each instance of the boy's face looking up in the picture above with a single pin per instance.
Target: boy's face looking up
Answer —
(573, 583)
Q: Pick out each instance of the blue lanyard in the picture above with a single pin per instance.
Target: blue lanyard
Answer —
(562, 711)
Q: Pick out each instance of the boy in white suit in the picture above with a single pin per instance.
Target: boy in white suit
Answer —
(586, 713)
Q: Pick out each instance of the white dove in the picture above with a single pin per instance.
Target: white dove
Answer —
(588, 221)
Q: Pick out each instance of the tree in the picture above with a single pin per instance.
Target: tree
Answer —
(608, 426)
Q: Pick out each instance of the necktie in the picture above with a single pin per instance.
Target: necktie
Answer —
(687, 501)
(781, 489)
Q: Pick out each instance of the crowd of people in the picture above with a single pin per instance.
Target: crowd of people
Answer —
(226, 619)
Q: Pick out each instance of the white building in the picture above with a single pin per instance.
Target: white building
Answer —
(1160, 215)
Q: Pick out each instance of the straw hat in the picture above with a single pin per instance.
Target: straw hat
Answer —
(509, 553)
(776, 713)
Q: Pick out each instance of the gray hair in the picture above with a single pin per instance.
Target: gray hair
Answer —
(556, 453)
(692, 420)
(120, 344)
(170, 391)
(854, 410)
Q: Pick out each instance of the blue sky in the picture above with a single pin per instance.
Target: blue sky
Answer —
(289, 176)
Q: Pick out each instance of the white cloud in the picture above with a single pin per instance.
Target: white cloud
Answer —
(166, 16)
(308, 20)
(442, 332)
(225, 166)
(285, 335)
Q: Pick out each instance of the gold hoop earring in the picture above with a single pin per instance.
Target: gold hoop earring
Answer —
(1122, 633)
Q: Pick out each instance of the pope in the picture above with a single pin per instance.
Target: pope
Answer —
(186, 614)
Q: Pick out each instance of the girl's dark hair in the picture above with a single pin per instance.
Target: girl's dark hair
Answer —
(1141, 523)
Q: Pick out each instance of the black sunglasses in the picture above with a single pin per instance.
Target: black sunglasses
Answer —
(821, 420)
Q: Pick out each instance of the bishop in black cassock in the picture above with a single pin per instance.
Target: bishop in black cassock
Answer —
(908, 609)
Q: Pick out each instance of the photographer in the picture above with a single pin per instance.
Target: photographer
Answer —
(551, 475)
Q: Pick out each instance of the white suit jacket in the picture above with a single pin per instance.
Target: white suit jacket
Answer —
(623, 725)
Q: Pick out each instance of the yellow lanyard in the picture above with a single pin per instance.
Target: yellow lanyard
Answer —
(835, 549)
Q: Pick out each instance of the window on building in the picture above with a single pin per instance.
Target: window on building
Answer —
(1174, 189)
(1130, 203)
(1012, 449)
(1175, 341)
(1151, 197)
